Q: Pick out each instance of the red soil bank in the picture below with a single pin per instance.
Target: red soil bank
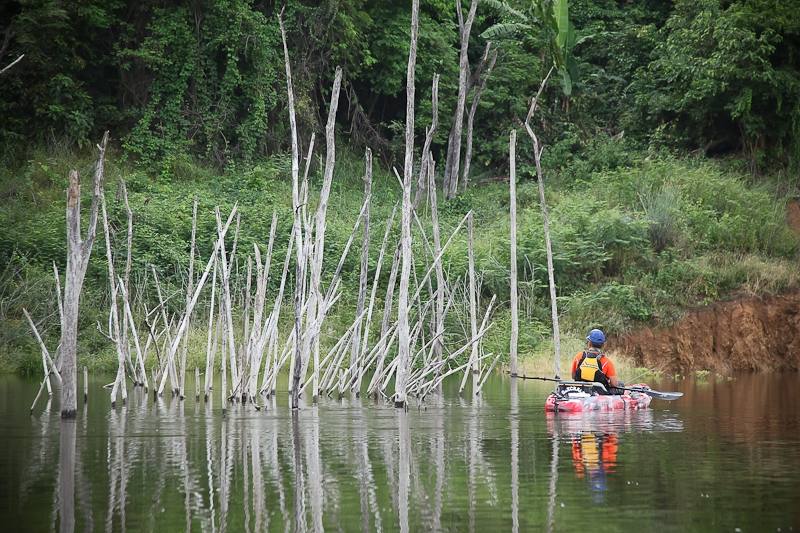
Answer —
(745, 334)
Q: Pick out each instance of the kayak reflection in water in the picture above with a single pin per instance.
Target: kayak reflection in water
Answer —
(594, 455)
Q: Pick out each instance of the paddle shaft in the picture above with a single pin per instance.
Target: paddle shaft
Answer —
(650, 392)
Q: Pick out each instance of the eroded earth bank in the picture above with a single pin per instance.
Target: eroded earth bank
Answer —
(752, 333)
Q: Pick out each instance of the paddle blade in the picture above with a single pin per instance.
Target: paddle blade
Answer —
(669, 396)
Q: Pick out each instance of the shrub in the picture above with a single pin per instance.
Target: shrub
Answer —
(661, 210)
(612, 306)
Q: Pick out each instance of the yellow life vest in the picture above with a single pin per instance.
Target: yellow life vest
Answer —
(590, 368)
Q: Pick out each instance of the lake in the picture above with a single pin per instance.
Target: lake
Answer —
(725, 457)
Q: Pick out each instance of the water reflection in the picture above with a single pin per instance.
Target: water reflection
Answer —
(455, 464)
(66, 476)
(404, 469)
(594, 455)
(514, 426)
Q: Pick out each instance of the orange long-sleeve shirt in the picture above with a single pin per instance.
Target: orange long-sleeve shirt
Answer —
(606, 365)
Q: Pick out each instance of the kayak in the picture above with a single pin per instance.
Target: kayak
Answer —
(577, 399)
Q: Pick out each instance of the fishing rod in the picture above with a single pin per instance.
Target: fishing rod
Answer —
(668, 396)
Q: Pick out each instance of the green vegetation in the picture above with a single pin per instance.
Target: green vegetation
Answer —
(671, 134)
(633, 244)
(206, 78)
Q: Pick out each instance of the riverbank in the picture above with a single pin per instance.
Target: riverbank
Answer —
(753, 333)
(638, 238)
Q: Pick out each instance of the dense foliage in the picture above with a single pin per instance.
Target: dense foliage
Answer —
(204, 79)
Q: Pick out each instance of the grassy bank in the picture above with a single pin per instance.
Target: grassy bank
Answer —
(637, 238)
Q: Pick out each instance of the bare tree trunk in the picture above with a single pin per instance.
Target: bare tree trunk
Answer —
(364, 274)
(537, 154)
(226, 265)
(211, 343)
(512, 187)
(441, 285)
(316, 307)
(422, 181)
(297, 228)
(404, 347)
(189, 289)
(79, 249)
(476, 98)
(473, 308)
(175, 342)
(127, 278)
(454, 146)
(375, 280)
(115, 328)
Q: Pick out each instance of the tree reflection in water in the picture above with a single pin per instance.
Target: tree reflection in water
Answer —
(497, 462)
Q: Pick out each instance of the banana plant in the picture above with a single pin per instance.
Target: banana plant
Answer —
(551, 16)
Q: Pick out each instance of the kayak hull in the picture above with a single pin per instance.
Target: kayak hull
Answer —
(576, 401)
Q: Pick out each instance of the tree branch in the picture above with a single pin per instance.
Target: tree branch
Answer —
(17, 60)
(99, 173)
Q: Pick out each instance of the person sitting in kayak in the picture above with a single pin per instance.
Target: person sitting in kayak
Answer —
(593, 365)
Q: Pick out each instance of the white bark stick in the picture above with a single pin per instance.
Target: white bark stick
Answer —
(454, 148)
(512, 187)
(473, 311)
(537, 154)
(127, 277)
(363, 274)
(404, 347)
(17, 60)
(476, 98)
(45, 353)
(322, 209)
(132, 324)
(211, 345)
(373, 294)
(297, 361)
(185, 320)
(115, 328)
(426, 159)
(441, 285)
(189, 288)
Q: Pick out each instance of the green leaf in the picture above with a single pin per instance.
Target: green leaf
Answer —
(566, 82)
(505, 30)
(561, 11)
(505, 9)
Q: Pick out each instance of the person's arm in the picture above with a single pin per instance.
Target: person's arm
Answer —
(611, 373)
(574, 366)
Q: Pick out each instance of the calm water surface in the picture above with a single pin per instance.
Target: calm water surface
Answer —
(725, 456)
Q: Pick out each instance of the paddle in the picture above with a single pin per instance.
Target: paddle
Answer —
(668, 396)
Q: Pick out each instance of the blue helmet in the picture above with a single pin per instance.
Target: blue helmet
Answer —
(596, 336)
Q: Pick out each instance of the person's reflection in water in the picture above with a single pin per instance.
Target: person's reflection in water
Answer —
(594, 456)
